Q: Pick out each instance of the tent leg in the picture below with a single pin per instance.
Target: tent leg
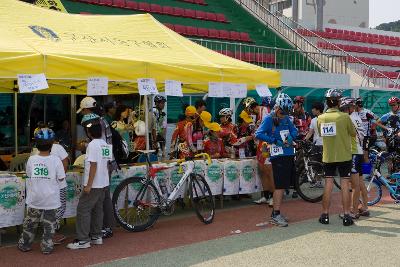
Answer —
(146, 119)
(73, 126)
(16, 123)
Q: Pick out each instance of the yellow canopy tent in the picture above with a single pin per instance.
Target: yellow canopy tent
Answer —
(71, 48)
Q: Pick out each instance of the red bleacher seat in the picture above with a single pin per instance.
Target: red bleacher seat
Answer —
(145, 7)
(244, 36)
(154, 8)
(234, 36)
(189, 1)
(202, 32)
(170, 26)
(249, 57)
(200, 14)
(189, 13)
(200, 2)
(211, 16)
(223, 34)
(105, 2)
(181, 29)
(213, 33)
(131, 5)
(179, 12)
(168, 10)
(119, 3)
(221, 17)
(190, 30)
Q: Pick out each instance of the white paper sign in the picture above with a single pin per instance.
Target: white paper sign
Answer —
(32, 82)
(328, 129)
(263, 90)
(173, 88)
(239, 90)
(97, 86)
(276, 150)
(147, 86)
(215, 89)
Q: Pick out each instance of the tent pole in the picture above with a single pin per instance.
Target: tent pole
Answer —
(146, 120)
(232, 107)
(73, 126)
(16, 123)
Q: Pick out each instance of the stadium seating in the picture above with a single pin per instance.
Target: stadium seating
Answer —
(249, 56)
(374, 74)
(158, 9)
(197, 2)
(359, 49)
(210, 33)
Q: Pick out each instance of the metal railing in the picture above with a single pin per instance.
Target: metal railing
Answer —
(285, 27)
(269, 57)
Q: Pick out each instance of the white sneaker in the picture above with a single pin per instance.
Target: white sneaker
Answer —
(79, 244)
(96, 241)
(262, 200)
(270, 202)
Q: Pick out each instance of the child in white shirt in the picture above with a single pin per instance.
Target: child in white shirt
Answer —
(89, 220)
(45, 176)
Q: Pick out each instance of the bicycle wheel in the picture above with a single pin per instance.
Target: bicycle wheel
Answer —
(136, 204)
(311, 191)
(201, 198)
(374, 190)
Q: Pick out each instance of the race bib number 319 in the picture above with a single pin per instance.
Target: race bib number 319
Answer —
(328, 129)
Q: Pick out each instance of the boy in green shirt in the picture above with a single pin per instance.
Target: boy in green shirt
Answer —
(336, 130)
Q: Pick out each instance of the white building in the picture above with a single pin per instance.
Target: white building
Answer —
(353, 13)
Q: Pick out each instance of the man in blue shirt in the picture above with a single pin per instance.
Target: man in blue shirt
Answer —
(279, 131)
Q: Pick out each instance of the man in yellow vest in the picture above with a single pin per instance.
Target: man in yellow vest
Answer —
(337, 131)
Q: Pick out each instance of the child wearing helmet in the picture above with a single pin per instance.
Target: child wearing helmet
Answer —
(228, 132)
(45, 175)
(301, 118)
(245, 144)
(279, 131)
(89, 219)
(60, 152)
(214, 145)
(178, 136)
(158, 124)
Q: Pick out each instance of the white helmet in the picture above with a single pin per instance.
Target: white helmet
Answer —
(225, 112)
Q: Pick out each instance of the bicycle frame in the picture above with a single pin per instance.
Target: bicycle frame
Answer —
(382, 181)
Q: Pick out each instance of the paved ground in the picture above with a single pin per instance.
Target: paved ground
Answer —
(184, 241)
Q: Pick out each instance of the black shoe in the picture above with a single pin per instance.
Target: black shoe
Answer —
(295, 195)
(347, 220)
(324, 218)
(107, 233)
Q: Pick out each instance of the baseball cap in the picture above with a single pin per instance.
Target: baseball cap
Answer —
(205, 116)
(214, 126)
(87, 102)
(190, 110)
(245, 116)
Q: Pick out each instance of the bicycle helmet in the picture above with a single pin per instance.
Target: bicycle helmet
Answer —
(345, 102)
(298, 99)
(88, 117)
(159, 98)
(284, 102)
(225, 112)
(44, 135)
(248, 101)
(394, 100)
(333, 94)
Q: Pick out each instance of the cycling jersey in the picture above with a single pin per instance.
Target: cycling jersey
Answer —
(215, 148)
(228, 133)
(357, 141)
(302, 121)
(368, 119)
(393, 119)
(336, 130)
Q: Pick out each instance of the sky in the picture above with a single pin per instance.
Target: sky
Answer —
(382, 11)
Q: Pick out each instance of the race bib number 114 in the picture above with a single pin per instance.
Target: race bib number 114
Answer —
(328, 129)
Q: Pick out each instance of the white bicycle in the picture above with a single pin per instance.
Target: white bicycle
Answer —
(139, 201)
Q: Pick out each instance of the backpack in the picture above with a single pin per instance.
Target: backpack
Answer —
(119, 145)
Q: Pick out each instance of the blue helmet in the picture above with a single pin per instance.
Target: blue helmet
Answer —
(44, 135)
(284, 102)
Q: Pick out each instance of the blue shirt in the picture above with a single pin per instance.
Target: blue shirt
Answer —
(271, 134)
(385, 119)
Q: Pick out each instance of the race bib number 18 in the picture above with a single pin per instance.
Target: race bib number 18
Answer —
(106, 152)
(328, 129)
